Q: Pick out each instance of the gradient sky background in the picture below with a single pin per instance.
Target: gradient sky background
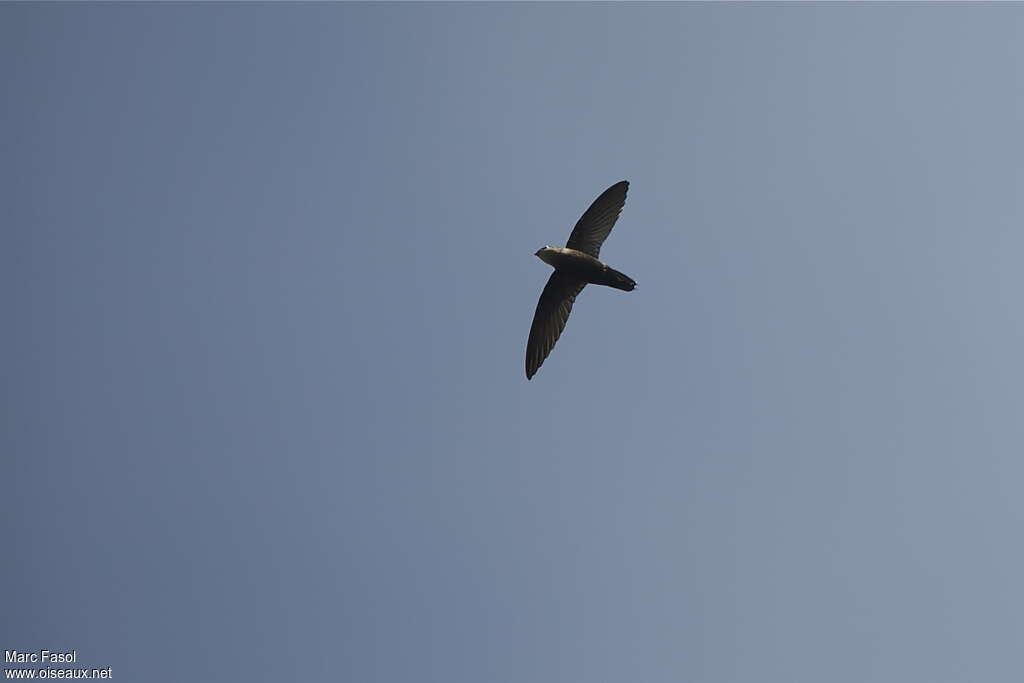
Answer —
(267, 278)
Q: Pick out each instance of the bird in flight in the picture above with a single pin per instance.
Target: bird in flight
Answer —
(576, 265)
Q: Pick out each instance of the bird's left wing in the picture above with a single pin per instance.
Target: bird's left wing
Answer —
(549, 319)
(596, 222)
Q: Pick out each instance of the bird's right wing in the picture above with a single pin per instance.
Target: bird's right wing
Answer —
(596, 222)
(549, 320)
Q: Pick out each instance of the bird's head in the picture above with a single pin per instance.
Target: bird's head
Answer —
(545, 254)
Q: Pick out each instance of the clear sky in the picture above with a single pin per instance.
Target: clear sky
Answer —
(267, 277)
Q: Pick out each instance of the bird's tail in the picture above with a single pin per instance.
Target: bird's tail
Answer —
(619, 280)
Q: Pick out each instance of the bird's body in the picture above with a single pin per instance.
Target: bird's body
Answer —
(576, 265)
(585, 267)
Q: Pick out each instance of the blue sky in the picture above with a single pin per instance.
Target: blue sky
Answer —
(268, 276)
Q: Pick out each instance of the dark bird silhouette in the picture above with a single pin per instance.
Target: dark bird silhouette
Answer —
(576, 265)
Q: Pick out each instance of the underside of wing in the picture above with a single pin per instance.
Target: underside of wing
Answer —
(594, 225)
(549, 320)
